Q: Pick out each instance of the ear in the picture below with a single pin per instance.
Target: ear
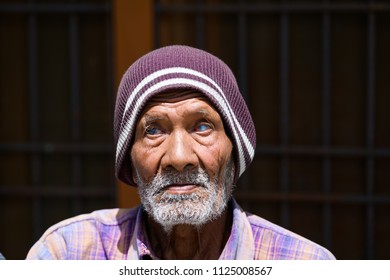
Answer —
(133, 176)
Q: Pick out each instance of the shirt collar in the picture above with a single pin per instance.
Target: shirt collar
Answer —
(139, 245)
(240, 245)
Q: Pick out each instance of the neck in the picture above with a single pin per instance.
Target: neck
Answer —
(190, 242)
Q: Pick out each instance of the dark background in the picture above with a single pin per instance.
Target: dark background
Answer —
(315, 75)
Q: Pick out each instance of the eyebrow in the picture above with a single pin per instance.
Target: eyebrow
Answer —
(151, 118)
(203, 112)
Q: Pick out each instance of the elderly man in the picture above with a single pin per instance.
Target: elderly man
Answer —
(184, 136)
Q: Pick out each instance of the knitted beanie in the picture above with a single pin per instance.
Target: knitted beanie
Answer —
(175, 68)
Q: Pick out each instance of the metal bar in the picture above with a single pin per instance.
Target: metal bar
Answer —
(312, 198)
(284, 114)
(104, 191)
(156, 24)
(74, 77)
(326, 163)
(200, 27)
(75, 118)
(98, 148)
(50, 191)
(284, 79)
(57, 148)
(37, 8)
(33, 88)
(35, 163)
(243, 52)
(326, 81)
(318, 151)
(254, 8)
(370, 127)
(110, 93)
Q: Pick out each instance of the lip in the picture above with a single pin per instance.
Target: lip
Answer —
(181, 189)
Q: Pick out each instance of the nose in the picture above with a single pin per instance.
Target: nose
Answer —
(179, 153)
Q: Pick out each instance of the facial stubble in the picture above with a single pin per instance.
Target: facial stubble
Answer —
(197, 208)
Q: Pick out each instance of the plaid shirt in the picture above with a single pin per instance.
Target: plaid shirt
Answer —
(119, 234)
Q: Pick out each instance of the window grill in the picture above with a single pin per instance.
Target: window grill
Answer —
(314, 74)
(55, 133)
(323, 148)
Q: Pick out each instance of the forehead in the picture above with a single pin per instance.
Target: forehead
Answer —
(180, 99)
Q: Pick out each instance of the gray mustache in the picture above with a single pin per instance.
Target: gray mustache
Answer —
(168, 178)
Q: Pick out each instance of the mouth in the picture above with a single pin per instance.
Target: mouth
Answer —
(181, 188)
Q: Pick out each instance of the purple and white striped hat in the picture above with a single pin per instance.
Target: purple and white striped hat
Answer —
(175, 68)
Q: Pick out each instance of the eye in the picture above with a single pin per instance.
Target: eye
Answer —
(203, 127)
(152, 130)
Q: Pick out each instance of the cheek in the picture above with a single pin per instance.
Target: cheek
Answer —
(215, 156)
(145, 161)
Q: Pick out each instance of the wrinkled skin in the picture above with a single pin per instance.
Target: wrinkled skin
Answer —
(182, 164)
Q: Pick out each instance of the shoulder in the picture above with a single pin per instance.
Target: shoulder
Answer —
(96, 220)
(275, 242)
(86, 236)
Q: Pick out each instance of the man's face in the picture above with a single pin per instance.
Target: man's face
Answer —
(182, 160)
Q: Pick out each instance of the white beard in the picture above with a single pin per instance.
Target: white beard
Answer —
(198, 208)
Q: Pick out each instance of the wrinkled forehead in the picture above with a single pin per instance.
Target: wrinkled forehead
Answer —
(177, 96)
